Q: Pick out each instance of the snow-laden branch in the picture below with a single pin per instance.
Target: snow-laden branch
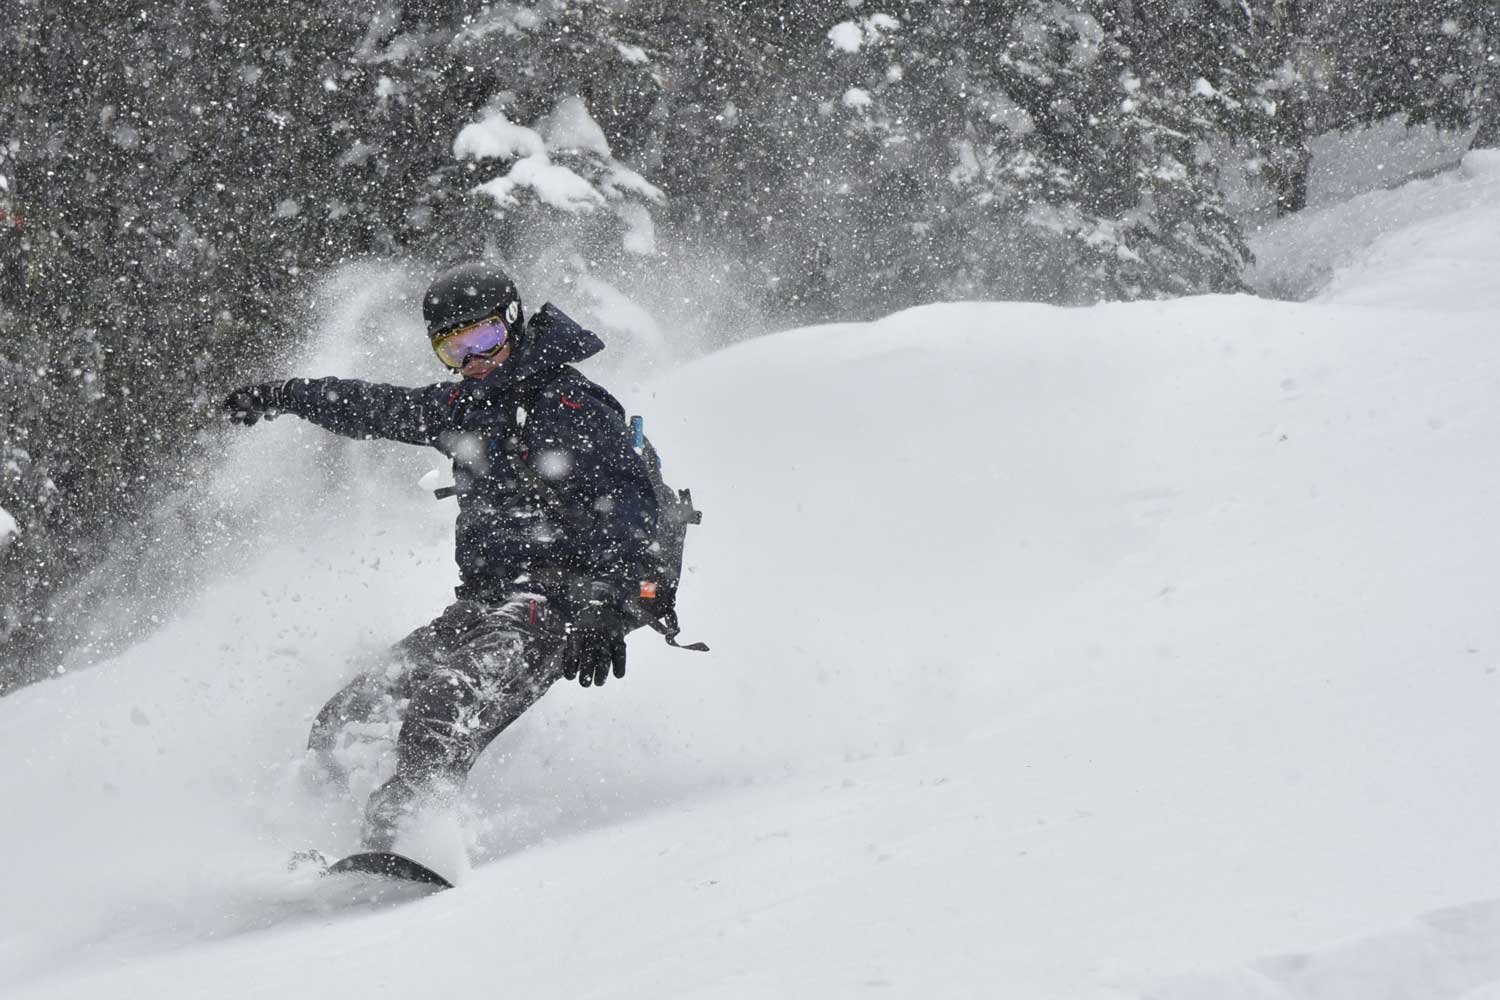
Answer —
(563, 163)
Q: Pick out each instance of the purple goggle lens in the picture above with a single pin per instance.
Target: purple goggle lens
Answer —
(483, 339)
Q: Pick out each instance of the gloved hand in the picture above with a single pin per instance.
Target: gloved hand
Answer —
(590, 654)
(249, 403)
(595, 641)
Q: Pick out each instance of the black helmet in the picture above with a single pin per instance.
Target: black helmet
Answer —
(469, 293)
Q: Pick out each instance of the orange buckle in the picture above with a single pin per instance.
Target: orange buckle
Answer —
(648, 589)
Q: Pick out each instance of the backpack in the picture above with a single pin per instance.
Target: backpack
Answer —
(662, 568)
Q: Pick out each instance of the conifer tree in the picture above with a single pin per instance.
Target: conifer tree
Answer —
(1060, 157)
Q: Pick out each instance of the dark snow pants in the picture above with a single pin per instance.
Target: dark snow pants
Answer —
(456, 684)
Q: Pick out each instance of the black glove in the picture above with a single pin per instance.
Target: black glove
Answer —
(590, 654)
(249, 403)
(595, 640)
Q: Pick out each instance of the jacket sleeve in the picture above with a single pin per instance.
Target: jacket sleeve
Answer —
(370, 409)
(582, 449)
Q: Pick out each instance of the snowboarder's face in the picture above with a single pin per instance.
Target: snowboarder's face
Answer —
(476, 367)
(475, 350)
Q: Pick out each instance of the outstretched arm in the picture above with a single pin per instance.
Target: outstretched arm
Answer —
(350, 407)
(371, 409)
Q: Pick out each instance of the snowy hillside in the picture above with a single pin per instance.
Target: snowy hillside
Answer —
(1136, 651)
(1429, 245)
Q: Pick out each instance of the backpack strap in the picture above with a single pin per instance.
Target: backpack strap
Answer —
(666, 624)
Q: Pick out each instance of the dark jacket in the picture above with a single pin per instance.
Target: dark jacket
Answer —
(575, 436)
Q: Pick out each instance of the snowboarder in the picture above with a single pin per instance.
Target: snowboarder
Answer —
(544, 578)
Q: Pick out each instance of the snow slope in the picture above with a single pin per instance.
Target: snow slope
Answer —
(1433, 245)
(1142, 650)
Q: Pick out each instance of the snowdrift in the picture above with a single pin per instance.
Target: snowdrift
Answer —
(1057, 653)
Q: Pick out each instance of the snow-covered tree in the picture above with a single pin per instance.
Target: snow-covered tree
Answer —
(563, 167)
(1425, 59)
(1040, 157)
(1118, 160)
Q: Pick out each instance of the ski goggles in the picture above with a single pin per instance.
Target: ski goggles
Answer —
(484, 339)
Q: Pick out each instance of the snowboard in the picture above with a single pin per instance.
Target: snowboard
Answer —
(384, 864)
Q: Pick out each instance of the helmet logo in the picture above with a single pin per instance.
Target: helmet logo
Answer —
(512, 311)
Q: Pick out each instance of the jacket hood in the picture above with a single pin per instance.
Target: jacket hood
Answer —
(552, 339)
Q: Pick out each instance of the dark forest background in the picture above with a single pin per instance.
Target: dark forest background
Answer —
(175, 175)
